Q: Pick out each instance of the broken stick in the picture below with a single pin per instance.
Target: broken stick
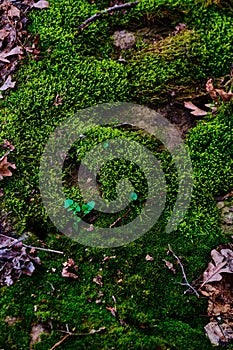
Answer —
(187, 284)
(107, 11)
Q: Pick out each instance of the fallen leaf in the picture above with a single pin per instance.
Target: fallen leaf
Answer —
(112, 310)
(14, 12)
(179, 27)
(3, 34)
(149, 258)
(7, 145)
(4, 167)
(98, 280)
(169, 265)
(36, 332)
(196, 111)
(215, 94)
(42, 4)
(219, 333)
(58, 100)
(8, 84)
(15, 51)
(68, 267)
(214, 270)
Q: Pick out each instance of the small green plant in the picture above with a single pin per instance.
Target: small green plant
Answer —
(78, 211)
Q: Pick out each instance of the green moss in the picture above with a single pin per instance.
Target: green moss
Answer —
(84, 70)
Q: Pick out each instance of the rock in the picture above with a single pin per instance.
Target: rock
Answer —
(124, 39)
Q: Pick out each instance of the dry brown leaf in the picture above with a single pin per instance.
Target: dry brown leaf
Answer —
(69, 265)
(196, 111)
(216, 93)
(213, 271)
(7, 145)
(219, 333)
(14, 12)
(3, 34)
(98, 280)
(42, 4)
(169, 265)
(58, 100)
(9, 84)
(149, 258)
(112, 310)
(4, 167)
(15, 51)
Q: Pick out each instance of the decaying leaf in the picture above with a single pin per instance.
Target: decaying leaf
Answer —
(169, 265)
(14, 12)
(214, 270)
(4, 167)
(149, 258)
(14, 260)
(15, 51)
(7, 145)
(195, 110)
(217, 94)
(58, 100)
(219, 334)
(36, 332)
(217, 286)
(98, 280)
(3, 34)
(113, 310)
(69, 267)
(8, 84)
(41, 4)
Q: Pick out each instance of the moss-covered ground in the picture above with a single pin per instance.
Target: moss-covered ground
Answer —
(84, 69)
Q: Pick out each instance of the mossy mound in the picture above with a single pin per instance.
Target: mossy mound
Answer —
(152, 312)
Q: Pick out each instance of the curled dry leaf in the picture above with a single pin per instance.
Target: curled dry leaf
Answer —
(195, 110)
(14, 260)
(215, 94)
(58, 100)
(217, 286)
(13, 12)
(219, 334)
(15, 51)
(69, 267)
(42, 4)
(113, 310)
(98, 280)
(169, 265)
(7, 145)
(149, 258)
(214, 270)
(8, 84)
(4, 167)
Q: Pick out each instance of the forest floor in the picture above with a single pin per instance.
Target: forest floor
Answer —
(58, 293)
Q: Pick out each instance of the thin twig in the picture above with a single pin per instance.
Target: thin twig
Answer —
(60, 342)
(27, 246)
(108, 10)
(93, 331)
(120, 218)
(187, 284)
(44, 249)
(68, 334)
